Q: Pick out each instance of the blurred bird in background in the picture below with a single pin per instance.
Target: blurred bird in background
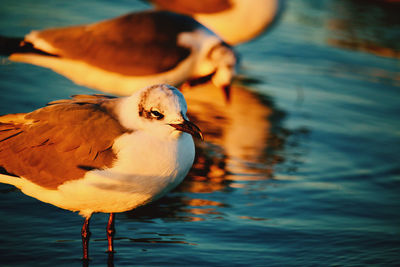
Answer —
(123, 54)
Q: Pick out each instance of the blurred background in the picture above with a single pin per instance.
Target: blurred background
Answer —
(302, 167)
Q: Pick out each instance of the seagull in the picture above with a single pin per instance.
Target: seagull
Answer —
(124, 54)
(236, 21)
(96, 153)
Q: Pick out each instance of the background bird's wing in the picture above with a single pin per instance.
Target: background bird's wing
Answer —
(59, 142)
(136, 44)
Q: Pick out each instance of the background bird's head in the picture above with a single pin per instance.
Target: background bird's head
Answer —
(225, 61)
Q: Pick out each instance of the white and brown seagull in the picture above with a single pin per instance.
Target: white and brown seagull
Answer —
(124, 54)
(94, 153)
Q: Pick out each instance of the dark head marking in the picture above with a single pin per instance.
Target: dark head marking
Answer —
(154, 112)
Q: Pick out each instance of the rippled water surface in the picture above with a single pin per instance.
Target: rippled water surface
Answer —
(301, 169)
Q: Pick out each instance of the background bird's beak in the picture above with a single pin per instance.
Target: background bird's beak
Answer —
(190, 128)
(223, 79)
(227, 93)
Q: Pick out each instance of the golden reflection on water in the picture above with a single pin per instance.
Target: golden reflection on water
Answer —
(237, 134)
(239, 144)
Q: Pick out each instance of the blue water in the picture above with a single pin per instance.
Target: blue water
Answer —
(301, 170)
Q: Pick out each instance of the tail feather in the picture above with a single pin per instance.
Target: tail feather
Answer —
(12, 45)
(9, 45)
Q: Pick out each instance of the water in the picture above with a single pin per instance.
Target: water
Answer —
(302, 168)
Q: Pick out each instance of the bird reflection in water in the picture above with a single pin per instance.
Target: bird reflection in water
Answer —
(238, 134)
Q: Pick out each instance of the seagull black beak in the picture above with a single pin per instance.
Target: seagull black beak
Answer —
(190, 128)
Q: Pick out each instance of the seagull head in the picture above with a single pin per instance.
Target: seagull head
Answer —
(225, 60)
(159, 109)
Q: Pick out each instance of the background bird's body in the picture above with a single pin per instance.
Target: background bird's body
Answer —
(124, 54)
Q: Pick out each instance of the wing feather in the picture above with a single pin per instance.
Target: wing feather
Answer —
(136, 44)
(52, 143)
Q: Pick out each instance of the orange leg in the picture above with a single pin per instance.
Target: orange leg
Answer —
(85, 239)
(111, 232)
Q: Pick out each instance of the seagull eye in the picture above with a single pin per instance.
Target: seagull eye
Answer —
(156, 114)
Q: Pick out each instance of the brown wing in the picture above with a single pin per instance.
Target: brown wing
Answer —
(191, 7)
(60, 142)
(136, 44)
